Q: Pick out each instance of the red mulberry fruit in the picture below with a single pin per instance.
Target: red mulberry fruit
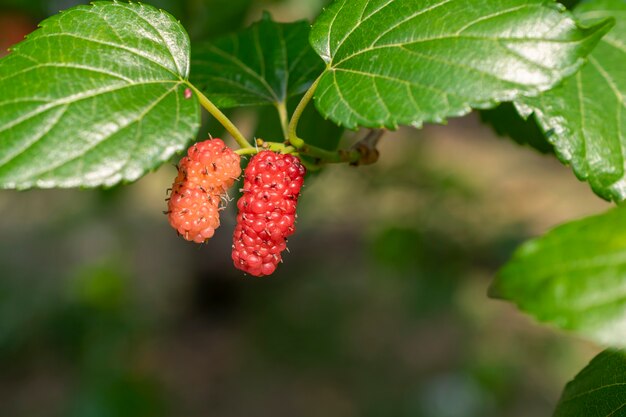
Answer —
(204, 175)
(267, 211)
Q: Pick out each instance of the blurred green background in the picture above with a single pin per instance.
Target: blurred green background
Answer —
(380, 308)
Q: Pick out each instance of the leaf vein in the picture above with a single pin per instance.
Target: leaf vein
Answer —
(447, 37)
(257, 93)
(138, 119)
(359, 22)
(167, 45)
(409, 18)
(70, 66)
(133, 51)
(408, 83)
(499, 13)
(9, 158)
(462, 66)
(343, 100)
(75, 98)
(245, 68)
(594, 390)
(330, 31)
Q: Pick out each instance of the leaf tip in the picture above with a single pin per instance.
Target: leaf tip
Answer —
(603, 25)
(593, 32)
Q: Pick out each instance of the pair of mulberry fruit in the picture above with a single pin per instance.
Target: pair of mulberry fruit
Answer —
(267, 207)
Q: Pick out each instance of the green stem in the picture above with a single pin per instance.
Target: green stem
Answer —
(295, 117)
(321, 155)
(311, 166)
(332, 157)
(221, 117)
(284, 122)
(272, 146)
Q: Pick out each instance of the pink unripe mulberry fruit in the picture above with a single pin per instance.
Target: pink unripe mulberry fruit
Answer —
(267, 211)
(204, 176)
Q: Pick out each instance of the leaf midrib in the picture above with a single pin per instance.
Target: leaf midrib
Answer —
(591, 391)
(79, 97)
(71, 66)
(454, 38)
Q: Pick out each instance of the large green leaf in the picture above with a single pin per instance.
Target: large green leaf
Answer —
(574, 277)
(588, 112)
(264, 64)
(94, 97)
(598, 390)
(392, 62)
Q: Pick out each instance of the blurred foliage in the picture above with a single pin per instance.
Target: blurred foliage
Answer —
(379, 310)
(202, 18)
(93, 328)
(368, 316)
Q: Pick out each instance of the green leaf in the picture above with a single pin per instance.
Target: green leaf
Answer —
(319, 132)
(392, 62)
(588, 112)
(94, 97)
(574, 277)
(506, 121)
(598, 390)
(264, 64)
